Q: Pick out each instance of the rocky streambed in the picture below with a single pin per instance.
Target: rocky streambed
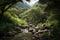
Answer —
(28, 32)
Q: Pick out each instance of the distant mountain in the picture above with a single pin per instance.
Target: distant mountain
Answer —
(26, 4)
(23, 5)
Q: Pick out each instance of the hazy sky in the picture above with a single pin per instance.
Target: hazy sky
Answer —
(25, 4)
(31, 3)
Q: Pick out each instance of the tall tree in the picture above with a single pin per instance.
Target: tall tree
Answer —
(5, 4)
(54, 6)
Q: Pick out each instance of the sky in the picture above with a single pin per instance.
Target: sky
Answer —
(25, 4)
(31, 3)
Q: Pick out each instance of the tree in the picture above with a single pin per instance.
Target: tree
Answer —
(5, 17)
(54, 7)
(5, 4)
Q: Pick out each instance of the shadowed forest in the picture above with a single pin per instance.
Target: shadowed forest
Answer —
(24, 21)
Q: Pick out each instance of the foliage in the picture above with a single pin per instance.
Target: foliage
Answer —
(34, 14)
(5, 5)
(53, 8)
(15, 20)
(10, 19)
(18, 16)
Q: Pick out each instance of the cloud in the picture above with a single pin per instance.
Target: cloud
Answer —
(25, 4)
(31, 3)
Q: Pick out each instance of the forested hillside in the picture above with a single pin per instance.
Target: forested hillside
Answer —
(19, 21)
